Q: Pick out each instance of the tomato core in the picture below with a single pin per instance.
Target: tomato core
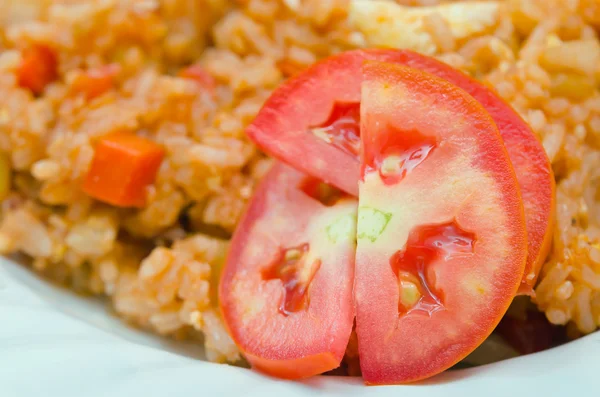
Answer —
(342, 128)
(425, 245)
(295, 275)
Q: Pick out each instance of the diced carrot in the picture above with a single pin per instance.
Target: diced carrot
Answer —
(124, 165)
(38, 68)
(96, 82)
(201, 76)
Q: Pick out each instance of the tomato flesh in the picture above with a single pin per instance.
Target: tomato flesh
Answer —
(286, 289)
(439, 258)
(306, 124)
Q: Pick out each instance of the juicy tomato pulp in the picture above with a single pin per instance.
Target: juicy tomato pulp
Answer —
(439, 259)
(286, 290)
(311, 122)
(425, 245)
(342, 128)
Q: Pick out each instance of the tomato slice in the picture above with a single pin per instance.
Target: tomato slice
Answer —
(286, 289)
(527, 155)
(311, 122)
(441, 229)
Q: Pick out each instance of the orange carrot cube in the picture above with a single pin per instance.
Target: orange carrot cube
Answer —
(124, 165)
(38, 68)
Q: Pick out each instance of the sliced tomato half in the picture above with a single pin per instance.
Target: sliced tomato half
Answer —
(527, 155)
(286, 289)
(441, 229)
(312, 122)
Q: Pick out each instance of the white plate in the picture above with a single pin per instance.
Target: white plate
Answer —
(55, 344)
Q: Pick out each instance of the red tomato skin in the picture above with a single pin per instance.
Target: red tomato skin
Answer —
(301, 368)
(415, 346)
(338, 79)
(304, 343)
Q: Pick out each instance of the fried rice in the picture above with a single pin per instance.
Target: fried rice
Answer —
(159, 266)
